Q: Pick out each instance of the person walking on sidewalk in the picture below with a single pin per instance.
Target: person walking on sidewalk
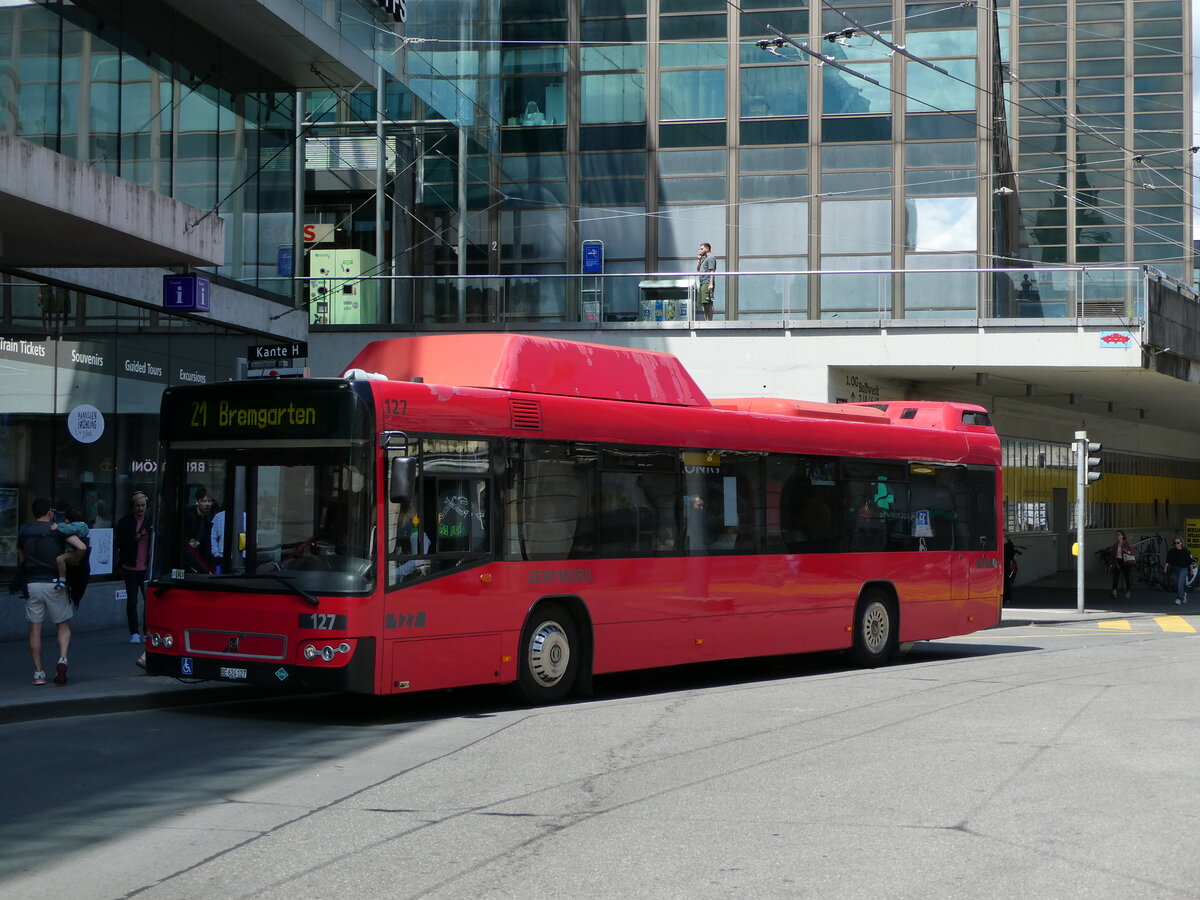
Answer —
(1121, 556)
(1176, 567)
(38, 547)
(132, 538)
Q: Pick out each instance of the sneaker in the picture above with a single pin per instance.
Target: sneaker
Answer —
(39, 677)
(1178, 602)
(135, 639)
(59, 587)
(1128, 595)
(1114, 594)
(61, 675)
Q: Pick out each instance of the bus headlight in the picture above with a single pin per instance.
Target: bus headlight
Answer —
(325, 653)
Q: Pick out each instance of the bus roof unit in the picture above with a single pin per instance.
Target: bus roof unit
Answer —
(517, 362)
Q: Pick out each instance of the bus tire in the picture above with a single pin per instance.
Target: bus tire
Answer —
(875, 630)
(549, 656)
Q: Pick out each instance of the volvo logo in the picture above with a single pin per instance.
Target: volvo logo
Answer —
(233, 643)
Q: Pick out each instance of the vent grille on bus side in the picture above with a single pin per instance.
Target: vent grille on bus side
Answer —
(525, 414)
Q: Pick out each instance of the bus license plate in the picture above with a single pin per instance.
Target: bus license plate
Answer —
(233, 673)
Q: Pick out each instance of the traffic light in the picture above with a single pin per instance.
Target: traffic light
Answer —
(1093, 462)
(1089, 470)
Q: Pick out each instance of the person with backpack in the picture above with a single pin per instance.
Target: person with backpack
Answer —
(38, 548)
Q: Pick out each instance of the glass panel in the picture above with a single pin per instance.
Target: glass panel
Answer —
(612, 192)
(862, 157)
(614, 31)
(676, 190)
(941, 223)
(857, 184)
(535, 101)
(774, 91)
(532, 168)
(939, 154)
(533, 234)
(856, 296)
(698, 94)
(855, 226)
(533, 59)
(774, 159)
(604, 59)
(947, 293)
(692, 162)
(772, 187)
(682, 228)
(612, 165)
(691, 28)
(763, 296)
(674, 56)
(926, 44)
(775, 228)
(613, 98)
(940, 92)
(844, 93)
(623, 230)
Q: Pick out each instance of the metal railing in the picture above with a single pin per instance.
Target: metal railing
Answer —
(664, 298)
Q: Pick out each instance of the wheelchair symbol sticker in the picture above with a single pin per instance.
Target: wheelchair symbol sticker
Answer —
(185, 666)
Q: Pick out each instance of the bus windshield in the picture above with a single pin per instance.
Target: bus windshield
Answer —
(300, 514)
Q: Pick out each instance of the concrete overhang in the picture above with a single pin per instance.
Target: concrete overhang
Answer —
(285, 38)
(58, 211)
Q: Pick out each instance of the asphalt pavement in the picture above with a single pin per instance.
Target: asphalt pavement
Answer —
(103, 676)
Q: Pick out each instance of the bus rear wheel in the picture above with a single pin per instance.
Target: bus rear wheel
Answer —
(550, 654)
(874, 630)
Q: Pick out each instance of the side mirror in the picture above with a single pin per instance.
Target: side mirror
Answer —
(402, 479)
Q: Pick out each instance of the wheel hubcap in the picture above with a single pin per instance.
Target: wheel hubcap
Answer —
(875, 628)
(549, 654)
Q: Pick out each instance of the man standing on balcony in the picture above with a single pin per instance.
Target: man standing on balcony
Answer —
(706, 265)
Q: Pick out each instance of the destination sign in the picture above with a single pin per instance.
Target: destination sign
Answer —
(190, 414)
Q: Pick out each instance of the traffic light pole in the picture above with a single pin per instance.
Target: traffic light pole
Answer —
(1086, 471)
(1081, 444)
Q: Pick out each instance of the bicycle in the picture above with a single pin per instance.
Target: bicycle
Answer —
(1149, 562)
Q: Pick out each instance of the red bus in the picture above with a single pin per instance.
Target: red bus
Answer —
(473, 509)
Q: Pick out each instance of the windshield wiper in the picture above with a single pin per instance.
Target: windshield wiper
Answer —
(311, 599)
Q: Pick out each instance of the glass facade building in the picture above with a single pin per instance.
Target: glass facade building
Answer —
(154, 99)
(862, 182)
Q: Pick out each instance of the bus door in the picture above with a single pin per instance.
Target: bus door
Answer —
(987, 570)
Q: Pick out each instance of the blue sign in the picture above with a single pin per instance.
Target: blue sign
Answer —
(283, 261)
(185, 666)
(593, 257)
(186, 293)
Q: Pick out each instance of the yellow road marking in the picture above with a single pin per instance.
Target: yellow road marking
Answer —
(1117, 625)
(1174, 623)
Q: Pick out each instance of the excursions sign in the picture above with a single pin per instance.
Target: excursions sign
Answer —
(398, 8)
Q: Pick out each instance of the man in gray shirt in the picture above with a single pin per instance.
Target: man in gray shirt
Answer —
(706, 265)
(38, 547)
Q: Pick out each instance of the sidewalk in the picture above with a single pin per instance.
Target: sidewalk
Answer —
(103, 677)
(1054, 600)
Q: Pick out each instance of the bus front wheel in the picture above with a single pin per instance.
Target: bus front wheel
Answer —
(550, 654)
(874, 630)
